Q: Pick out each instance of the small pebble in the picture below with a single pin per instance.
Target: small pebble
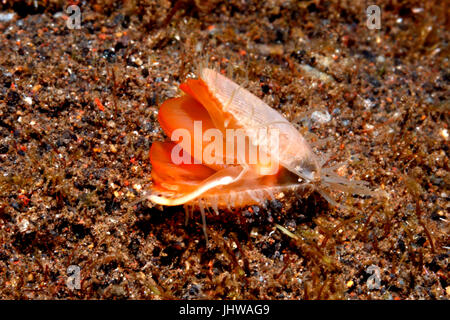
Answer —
(28, 100)
(5, 17)
(381, 59)
(321, 117)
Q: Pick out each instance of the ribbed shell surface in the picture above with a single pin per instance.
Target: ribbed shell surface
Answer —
(253, 113)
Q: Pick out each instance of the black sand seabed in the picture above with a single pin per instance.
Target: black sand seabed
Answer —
(78, 114)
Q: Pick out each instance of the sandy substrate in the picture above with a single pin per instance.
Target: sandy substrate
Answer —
(78, 112)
